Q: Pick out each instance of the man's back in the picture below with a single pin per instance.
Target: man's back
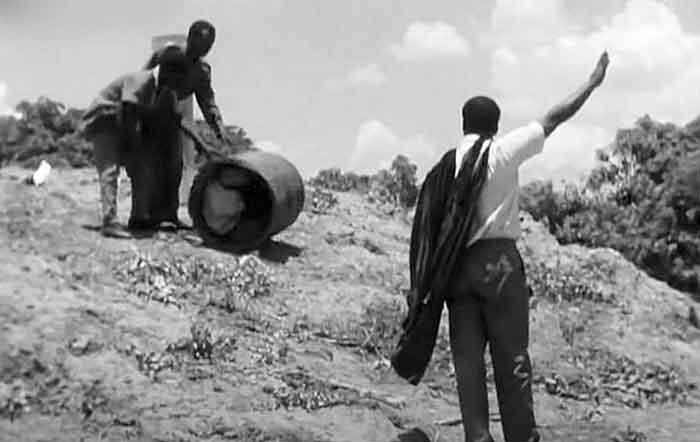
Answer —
(498, 212)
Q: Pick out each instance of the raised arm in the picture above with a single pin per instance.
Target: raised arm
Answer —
(567, 108)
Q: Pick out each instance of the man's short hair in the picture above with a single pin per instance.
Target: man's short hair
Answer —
(201, 27)
(480, 115)
(173, 60)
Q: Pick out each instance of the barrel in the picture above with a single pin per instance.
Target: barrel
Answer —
(270, 187)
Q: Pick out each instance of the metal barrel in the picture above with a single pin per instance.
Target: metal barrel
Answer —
(275, 198)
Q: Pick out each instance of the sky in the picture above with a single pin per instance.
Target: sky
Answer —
(351, 84)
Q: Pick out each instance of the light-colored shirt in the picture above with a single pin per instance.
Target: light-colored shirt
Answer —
(498, 214)
(136, 87)
(155, 72)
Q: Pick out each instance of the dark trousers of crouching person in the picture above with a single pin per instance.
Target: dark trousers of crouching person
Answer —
(487, 300)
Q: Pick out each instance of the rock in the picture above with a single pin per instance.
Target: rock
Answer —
(82, 345)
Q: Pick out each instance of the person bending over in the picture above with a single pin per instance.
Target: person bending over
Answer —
(113, 124)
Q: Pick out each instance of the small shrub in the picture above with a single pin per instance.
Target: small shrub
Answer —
(375, 333)
(563, 285)
(322, 201)
(395, 186)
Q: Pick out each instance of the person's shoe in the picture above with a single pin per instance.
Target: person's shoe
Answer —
(114, 230)
(174, 224)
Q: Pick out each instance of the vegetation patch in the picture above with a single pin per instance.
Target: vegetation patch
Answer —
(559, 284)
(322, 201)
(232, 285)
(642, 200)
(374, 333)
(257, 432)
(300, 390)
(396, 187)
(28, 384)
(611, 379)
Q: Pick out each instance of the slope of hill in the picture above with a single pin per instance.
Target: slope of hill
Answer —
(99, 336)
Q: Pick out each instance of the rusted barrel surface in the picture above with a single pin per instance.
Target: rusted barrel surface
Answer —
(270, 186)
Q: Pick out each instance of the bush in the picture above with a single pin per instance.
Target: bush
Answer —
(395, 186)
(643, 201)
(335, 179)
(45, 130)
(542, 202)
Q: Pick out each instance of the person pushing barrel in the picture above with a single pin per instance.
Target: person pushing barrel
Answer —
(200, 39)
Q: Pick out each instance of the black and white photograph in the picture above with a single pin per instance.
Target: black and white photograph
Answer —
(349, 221)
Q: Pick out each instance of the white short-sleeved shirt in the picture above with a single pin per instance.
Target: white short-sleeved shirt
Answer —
(498, 213)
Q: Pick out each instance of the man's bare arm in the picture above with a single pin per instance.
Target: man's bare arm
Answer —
(567, 108)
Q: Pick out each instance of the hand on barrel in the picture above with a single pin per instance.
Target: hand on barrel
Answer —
(224, 139)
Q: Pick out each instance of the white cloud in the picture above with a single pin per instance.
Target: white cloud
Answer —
(368, 75)
(377, 145)
(424, 41)
(5, 109)
(526, 22)
(568, 153)
(270, 146)
(539, 56)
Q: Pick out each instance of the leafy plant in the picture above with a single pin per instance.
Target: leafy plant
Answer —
(395, 186)
(643, 201)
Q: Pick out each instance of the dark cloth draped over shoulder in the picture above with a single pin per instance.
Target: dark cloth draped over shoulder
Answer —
(442, 225)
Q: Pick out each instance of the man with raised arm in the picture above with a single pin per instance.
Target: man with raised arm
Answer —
(463, 253)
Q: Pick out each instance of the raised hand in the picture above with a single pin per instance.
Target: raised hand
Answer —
(598, 74)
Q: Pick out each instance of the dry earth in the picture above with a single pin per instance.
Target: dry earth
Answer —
(96, 340)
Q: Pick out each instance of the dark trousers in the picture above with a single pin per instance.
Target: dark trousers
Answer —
(488, 302)
(165, 153)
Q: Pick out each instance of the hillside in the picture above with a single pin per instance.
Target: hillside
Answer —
(97, 334)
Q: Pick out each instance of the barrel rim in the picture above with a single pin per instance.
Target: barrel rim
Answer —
(207, 173)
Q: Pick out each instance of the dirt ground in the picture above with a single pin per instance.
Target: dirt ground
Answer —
(98, 336)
